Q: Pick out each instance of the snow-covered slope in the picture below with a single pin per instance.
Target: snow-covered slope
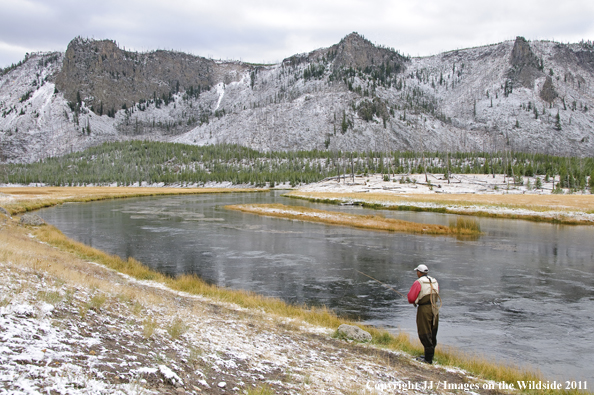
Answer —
(351, 96)
(36, 120)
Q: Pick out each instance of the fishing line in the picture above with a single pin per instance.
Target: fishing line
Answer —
(385, 285)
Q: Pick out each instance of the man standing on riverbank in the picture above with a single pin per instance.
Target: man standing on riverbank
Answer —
(424, 293)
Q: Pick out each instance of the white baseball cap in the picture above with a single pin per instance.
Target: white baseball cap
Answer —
(422, 269)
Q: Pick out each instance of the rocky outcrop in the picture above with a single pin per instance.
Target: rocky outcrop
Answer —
(548, 93)
(585, 56)
(108, 78)
(359, 53)
(526, 67)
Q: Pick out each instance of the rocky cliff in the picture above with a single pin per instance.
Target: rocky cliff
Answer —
(516, 95)
(108, 78)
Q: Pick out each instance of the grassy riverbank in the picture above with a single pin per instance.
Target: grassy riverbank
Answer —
(24, 249)
(22, 199)
(560, 209)
(371, 222)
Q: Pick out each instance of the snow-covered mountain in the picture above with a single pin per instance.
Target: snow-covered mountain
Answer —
(516, 95)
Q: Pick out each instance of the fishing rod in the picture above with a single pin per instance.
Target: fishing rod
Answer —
(385, 285)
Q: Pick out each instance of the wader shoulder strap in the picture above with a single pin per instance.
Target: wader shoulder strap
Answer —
(434, 306)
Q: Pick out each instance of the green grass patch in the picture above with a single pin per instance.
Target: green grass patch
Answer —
(51, 297)
(262, 389)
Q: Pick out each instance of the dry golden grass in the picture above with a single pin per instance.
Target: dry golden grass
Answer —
(50, 297)
(149, 325)
(97, 301)
(583, 203)
(374, 222)
(177, 328)
(22, 199)
(481, 204)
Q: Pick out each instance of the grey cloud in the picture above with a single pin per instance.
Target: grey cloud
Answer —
(272, 30)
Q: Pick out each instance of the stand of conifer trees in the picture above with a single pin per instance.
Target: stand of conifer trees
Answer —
(130, 162)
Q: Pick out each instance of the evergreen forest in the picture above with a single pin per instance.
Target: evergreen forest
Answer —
(157, 163)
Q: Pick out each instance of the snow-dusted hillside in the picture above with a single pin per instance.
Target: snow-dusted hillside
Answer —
(36, 120)
(351, 96)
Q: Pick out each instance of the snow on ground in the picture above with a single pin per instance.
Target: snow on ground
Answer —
(417, 184)
(435, 183)
(87, 329)
(288, 212)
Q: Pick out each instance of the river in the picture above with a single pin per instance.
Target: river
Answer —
(522, 293)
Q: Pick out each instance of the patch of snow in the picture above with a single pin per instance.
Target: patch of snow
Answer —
(170, 375)
(220, 89)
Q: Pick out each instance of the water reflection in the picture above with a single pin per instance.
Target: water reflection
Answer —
(522, 292)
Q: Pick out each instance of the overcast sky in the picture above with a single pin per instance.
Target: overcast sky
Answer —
(271, 30)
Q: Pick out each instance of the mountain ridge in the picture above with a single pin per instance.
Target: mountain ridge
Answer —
(353, 95)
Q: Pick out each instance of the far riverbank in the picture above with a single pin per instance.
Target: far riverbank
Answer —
(476, 195)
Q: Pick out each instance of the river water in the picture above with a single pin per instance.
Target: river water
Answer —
(523, 293)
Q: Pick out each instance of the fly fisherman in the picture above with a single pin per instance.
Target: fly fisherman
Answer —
(424, 293)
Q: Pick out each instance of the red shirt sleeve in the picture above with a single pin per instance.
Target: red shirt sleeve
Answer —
(414, 292)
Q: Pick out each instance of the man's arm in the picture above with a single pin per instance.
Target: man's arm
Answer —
(414, 292)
